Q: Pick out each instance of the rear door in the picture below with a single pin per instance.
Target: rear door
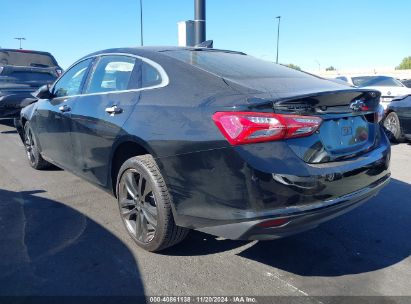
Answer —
(97, 118)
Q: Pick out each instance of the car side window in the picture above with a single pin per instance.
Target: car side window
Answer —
(71, 82)
(150, 76)
(112, 73)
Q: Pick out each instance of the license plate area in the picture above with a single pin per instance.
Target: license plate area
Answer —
(345, 134)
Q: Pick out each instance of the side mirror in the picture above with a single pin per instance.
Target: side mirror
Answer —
(44, 92)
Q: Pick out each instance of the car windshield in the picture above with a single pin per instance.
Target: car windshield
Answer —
(376, 81)
(234, 65)
(24, 58)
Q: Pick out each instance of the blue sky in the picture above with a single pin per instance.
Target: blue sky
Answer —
(346, 34)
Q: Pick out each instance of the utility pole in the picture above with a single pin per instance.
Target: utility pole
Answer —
(319, 65)
(199, 21)
(20, 39)
(278, 35)
(141, 23)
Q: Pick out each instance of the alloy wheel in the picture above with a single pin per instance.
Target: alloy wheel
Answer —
(138, 206)
(30, 145)
(391, 124)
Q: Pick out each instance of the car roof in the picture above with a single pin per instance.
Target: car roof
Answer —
(166, 48)
(146, 50)
(383, 76)
(25, 51)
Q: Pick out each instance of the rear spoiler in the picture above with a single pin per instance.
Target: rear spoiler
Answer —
(328, 102)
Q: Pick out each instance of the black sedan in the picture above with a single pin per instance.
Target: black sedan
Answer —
(213, 140)
(398, 120)
(21, 73)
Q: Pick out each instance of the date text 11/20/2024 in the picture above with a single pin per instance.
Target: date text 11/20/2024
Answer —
(203, 299)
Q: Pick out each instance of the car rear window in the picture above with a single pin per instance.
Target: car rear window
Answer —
(22, 77)
(343, 78)
(234, 65)
(376, 81)
(358, 81)
(23, 58)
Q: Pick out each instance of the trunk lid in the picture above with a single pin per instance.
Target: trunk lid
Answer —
(349, 127)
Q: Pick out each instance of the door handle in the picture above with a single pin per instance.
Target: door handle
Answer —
(114, 110)
(64, 108)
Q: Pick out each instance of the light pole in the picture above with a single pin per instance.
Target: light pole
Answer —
(20, 39)
(200, 21)
(278, 35)
(141, 23)
(319, 65)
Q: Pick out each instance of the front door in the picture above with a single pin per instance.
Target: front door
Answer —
(52, 118)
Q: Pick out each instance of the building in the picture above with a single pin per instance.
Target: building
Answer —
(399, 74)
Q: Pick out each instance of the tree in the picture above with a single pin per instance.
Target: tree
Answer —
(293, 66)
(405, 64)
(331, 68)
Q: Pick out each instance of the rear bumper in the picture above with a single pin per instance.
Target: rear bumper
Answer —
(229, 191)
(9, 112)
(298, 219)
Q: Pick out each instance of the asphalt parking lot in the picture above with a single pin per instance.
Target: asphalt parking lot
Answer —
(62, 236)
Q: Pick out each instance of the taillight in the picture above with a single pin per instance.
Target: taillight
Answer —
(274, 223)
(253, 127)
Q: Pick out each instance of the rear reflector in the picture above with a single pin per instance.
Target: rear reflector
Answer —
(274, 223)
(253, 127)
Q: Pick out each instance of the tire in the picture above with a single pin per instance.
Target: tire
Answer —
(392, 127)
(145, 205)
(34, 157)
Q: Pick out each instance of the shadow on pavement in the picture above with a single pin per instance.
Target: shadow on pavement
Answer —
(198, 243)
(9, 132)
(48, 248)
(371, 237)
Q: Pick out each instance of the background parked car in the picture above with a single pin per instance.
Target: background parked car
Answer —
(355, 81)
(398, 119)
(406, 82)
(340, 81)
(388, 86)
(211, 140)
(21, 73)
